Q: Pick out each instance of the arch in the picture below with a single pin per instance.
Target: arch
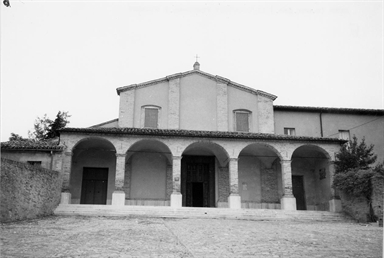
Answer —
(253, 148)
(306, 150)
(150, 145)
(205, 148)
(93, 167)
(93, 142)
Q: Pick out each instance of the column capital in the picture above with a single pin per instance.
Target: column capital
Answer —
(67, 153)
(282, 162)
(121, 155)
(233, 159)
(177, 157)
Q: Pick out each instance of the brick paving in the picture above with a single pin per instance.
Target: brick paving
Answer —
(77, 236)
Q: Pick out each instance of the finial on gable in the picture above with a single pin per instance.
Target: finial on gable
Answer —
(196, 66)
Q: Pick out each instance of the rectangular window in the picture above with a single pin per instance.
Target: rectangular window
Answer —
(289, 131)
(242, 121)
(34, 163)
(151, 117)
(344, 135)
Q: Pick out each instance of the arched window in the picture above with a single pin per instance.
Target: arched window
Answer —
(150, 116)
(242, 118)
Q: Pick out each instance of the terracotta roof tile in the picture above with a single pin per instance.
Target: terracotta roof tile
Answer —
(31, 145)
(193, 133)
(330, 110)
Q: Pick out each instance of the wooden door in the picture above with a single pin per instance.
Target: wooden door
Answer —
(298, 192)
(198, 186)
(94, 186)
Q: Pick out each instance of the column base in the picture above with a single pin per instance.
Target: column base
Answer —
(118, 198)
(288, 203)
(234, 201)
(65, 198)
(176, 200)
(335, 205)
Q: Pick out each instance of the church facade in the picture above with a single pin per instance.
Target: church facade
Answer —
(193, 139)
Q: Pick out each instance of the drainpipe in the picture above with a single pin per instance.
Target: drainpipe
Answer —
(321, 124)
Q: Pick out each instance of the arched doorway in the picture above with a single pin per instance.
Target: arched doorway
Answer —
(148, 175)
(311, 178)
(93, 171)
(201, 168)
(259, 177)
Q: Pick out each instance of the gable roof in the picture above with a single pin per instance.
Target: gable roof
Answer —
(32, 145)
(359, 111)
(193, 133)
(207, 75)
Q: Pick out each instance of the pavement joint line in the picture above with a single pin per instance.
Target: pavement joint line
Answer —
(177, 238)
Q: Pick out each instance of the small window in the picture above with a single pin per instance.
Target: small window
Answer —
(242, 121)
(289, 131)
(34, 163)
(344, 135)
(150, 116)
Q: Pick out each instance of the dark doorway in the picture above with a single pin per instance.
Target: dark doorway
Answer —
(94, 186)
(198, 181)
(298, 192)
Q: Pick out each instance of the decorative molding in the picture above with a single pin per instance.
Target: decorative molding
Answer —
(121, 155)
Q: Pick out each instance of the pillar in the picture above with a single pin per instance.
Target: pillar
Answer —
(334, 202)
(288, 201)
(234, 199)
(66, 176)
(176, 197)
(118, 196)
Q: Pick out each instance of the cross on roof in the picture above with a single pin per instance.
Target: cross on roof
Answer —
(197, 57)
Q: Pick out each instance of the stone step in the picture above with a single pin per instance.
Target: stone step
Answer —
(187, 212)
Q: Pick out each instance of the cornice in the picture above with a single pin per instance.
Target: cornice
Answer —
(216, 78)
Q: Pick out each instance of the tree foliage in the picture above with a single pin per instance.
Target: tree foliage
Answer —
(45, 128)
(354, 155)
(16, 137)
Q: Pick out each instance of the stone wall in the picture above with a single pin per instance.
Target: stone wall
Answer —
(27, 191)
(358, 207)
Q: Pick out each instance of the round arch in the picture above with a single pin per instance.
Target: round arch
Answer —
(150, 146)
(207, 148)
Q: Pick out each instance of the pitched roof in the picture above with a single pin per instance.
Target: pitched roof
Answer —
(32, 145)
(207, 75)
(193, 133)
(377, 112)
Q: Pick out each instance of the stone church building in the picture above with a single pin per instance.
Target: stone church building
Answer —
(198, 140)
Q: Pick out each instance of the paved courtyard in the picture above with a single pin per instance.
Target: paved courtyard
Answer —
(78, 236)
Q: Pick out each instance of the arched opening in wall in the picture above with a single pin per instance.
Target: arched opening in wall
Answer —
(204, 167)
(148, 174)
(259, 173)
(311, 178)
(93, 171)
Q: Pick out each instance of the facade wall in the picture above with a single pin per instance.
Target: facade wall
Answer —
(154, 95)
(238, 99)
(197, 103)
(308, 124)
(47, 160)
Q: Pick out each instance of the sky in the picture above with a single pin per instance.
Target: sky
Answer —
(72, 55)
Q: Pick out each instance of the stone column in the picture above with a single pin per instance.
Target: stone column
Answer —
(176, 197)
(288, 201)
(66, 177)
(118, 196)
(334, 202)
(234, 199)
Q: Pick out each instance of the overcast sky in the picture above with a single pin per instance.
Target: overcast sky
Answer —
(72, 55)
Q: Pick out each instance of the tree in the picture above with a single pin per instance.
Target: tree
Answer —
(16, 137)
(45, 128)
(354, 156)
